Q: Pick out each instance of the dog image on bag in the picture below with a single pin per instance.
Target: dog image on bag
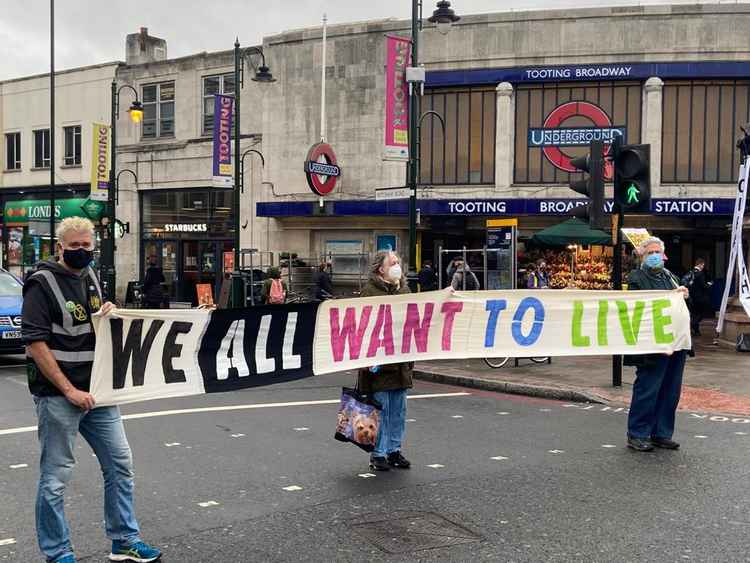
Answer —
(365, 427)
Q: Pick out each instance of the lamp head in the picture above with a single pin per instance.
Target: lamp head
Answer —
(263, 74)
(136, 112)
(443, 17)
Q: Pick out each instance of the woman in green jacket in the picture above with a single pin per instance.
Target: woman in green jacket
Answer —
(388, 383)
(658, 382)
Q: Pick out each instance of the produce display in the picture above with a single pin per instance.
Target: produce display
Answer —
(570, 269)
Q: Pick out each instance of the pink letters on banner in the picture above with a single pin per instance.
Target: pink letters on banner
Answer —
(412, 326)
(349, 332)
(384, 325)
(449, 309)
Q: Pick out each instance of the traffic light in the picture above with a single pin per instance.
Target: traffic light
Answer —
(632, 165)
(592, 187)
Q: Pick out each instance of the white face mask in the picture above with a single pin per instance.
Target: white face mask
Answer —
(394, 272)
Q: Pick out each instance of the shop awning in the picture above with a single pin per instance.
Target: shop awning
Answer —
(572, 231)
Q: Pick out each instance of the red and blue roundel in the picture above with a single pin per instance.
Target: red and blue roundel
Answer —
(321, 169)
(554, 136)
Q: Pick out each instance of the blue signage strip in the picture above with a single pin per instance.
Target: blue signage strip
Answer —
(491, 207)
(593, 72)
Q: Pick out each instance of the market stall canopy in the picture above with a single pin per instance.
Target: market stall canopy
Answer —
(572, 231)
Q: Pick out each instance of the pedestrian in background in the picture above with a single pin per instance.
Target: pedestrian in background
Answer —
(387, 383)
(700, 295)
(153, 294)
(658, 383)
(428, 279)
(59, 299)
(463, 278)
(274, 289)
(323, 284)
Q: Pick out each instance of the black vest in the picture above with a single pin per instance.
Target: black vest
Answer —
(71, 301)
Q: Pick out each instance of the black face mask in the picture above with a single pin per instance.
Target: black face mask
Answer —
(78, 259)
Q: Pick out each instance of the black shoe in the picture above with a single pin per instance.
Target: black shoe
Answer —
(665, 443)
(379, 464)
(640, 444)
(395, 459)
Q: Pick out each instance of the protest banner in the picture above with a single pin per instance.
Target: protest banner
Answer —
(155, 354)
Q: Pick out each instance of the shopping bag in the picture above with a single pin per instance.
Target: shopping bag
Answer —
(358, 419)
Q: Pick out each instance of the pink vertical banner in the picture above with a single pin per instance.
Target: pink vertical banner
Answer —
(398, 50)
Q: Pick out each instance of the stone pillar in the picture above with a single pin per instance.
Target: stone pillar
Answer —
(504, 135)
(651, 127)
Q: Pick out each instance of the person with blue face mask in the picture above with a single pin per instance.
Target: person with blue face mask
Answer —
(656, 391)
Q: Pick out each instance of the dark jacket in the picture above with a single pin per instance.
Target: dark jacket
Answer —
(641, 280)
(323, 286)
(389, 376)
(700, 291)
(265, 291)
(471, 282)
(152, 290)
(57, 309)
(428, 280)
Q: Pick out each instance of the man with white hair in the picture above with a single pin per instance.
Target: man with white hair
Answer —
(59, 299)
(658, 383)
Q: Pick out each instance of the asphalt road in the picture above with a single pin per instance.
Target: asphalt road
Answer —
(494, 478)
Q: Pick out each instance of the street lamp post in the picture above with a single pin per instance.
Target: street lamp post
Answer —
(262, 74)
(108, 221)
(443, 17)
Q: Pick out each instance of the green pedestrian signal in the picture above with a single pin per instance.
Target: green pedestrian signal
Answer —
(632, 183)
(633, 194)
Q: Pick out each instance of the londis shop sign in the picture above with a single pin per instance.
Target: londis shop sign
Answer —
(33, 210)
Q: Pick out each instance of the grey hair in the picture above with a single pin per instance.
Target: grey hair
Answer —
(377, 261)
(74, 225)
(648, 242)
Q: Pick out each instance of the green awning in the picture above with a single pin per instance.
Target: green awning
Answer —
(27, 211)
(572, 231)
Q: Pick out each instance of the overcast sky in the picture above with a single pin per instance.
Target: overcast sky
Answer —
(93, 31)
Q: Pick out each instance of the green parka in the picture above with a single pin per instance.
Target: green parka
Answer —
(390, 376)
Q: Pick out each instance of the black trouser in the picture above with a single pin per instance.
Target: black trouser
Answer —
(696, 316)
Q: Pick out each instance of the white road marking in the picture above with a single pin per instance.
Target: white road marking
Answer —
(8, 541)
(741, 433)
(19, 465)
(208, 503)
(172, 444)
(366, 475)
(301, 429)
(701, 436)
(253, 406)
(292, 488)
(556, 451)
(545, 410)
(503, 412)
(435, 466)
(499, 458)
(237, 435)
(21, 382)
(608, 446)
(457, 416)
(411, 420)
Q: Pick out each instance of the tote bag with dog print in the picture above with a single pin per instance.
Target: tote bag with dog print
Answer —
(358, 419)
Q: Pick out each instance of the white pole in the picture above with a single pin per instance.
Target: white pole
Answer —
(323, 85)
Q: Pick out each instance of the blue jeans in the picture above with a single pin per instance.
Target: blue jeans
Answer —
(59, 424)
(656, 393)
(392, 421)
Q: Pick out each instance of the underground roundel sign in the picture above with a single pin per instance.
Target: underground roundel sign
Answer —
(574, 124)
(321, 169)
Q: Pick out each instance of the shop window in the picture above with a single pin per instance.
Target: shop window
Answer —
(466, 154)
(544, 162)
(41, 149)
(13, 151)
(212, 85)
(158, 111)
(187, 213)
(699, 127)
(72, 137)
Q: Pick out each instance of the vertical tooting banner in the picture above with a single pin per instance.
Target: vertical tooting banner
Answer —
(100, 162)
(396, 99)
(223, 111)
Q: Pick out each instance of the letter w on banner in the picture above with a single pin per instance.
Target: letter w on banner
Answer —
(143, 355)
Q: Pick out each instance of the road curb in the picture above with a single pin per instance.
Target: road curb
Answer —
(511, 387)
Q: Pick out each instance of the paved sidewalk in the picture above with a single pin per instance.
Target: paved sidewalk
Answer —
(717, 380)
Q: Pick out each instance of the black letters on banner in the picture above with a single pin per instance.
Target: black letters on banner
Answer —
(133, 349)
(256, 346)
(173, 350)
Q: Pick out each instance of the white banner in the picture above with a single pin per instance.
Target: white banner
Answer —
(144, 355)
